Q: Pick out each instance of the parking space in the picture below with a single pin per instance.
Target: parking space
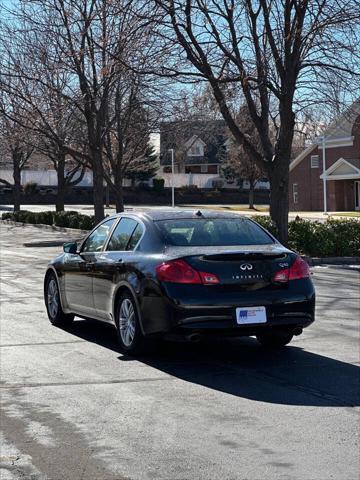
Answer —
(73, 407)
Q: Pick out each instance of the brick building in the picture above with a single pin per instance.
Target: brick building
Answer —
(341, 172)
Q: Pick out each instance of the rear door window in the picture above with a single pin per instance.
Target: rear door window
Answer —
(122, 234)
(135, 237)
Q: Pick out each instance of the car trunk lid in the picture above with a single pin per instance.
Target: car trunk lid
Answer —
(244, 267)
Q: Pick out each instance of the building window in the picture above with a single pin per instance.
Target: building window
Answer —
(295, 193)
(314, 159)
(203, 168)
(196, 149)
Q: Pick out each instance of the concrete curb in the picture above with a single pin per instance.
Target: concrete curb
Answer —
(312, 261)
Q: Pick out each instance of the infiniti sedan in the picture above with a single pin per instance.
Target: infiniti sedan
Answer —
(182, 274)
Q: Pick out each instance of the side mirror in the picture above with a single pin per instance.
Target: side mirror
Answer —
(70, 247)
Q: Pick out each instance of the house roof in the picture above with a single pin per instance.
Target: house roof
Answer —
(343, 169)
(342, 126)
(339, 131)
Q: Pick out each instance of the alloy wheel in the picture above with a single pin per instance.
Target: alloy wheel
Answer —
(127, 322)
(53, 298)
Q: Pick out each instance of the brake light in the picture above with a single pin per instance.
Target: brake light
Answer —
(178, 271)
(299, 269)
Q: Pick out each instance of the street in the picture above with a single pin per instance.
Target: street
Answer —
(74, 408)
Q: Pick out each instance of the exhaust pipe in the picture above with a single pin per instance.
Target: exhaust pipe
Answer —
(297, 331)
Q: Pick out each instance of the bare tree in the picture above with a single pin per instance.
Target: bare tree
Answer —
(15, 149)
(127, 138)
(277, 54)
(74, 51)
(239, 163)
(47, 116)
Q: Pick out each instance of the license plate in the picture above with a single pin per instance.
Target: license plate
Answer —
(248, 315)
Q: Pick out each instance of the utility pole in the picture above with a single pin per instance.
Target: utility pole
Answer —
(171, 150)
(324, 175)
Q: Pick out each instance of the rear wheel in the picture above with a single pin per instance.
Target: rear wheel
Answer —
(130, 336)
(274, 339)
(53, 305)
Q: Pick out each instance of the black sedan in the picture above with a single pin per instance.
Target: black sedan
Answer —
(182, 274)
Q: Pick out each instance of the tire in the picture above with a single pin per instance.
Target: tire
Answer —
(53, 305)
(130, 337)
(274, 339)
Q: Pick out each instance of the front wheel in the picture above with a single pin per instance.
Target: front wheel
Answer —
(53, 305)
(130, 336)
(274, 339)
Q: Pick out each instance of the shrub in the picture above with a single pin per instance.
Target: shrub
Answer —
(302, 235)
(88, 222)
(267, 223)
(20, 216)
(190, 189)
(144, 186)
(74, 221)
(45, 218)
(61, 219)
(30, 188)
(331, 238)
(213, 194)
(30, 217)
(158, 184)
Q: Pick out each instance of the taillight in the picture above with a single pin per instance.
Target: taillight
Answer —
(178, 271)
(299, 269)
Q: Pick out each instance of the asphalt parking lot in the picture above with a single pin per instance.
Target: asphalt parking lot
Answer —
(74, 408)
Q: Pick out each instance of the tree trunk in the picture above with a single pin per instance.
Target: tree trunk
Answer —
(98, 189)
(60, 197)
(279, 202)
(119, 202)
(279, 172)
(251, 194)
(119, 195)
(17, 184)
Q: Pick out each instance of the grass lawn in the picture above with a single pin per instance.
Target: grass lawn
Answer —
(244, 208)
(345, 214)
(233, 208)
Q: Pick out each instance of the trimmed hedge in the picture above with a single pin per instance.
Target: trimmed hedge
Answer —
(69, 219)
(158, 184)
(333, 238)
(339, 238)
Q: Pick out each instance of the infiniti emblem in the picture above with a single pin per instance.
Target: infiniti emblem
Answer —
(246, 266)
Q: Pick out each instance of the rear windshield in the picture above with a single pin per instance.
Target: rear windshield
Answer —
(213, 232)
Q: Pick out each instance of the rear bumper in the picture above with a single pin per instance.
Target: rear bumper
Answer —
(208, 310)
(228, 326)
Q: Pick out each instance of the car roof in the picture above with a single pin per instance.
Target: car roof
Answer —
(177, 214)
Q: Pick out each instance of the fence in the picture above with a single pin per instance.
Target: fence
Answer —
(49, 178)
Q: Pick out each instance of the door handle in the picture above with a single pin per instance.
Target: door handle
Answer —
(118, 261)
(89, 265)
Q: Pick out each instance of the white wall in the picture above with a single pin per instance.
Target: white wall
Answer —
(42, 177)
(201, 180)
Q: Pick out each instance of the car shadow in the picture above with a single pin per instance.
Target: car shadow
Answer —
(243, 368)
